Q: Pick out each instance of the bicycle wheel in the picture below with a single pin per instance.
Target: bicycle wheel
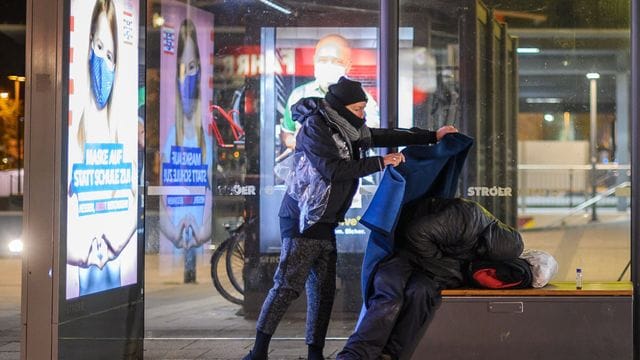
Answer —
(220, 277)
(235, 262)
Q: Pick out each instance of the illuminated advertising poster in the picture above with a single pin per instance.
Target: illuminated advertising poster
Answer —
(187, 149)
(307, 61)
(102, 163)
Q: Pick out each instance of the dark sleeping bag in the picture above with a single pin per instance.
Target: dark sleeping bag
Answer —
(441, 236)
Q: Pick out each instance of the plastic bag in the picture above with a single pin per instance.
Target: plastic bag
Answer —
(543, 266)
(309, 189)
(284, 167)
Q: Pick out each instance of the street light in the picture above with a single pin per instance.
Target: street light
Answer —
(17, 79)
(593, 112)
(16, 86)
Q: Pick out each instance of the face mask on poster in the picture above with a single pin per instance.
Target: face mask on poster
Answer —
(188, 93)
(102, 76)
(328, 73)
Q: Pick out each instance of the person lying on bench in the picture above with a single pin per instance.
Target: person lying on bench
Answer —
(436, 240)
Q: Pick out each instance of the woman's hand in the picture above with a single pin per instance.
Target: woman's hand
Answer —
(194, 230)
(98, 254)
(447, 129)
(393, 159)
(179, 241)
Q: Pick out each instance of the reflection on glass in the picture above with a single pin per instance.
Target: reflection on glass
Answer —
(187, 147)
(573, 163)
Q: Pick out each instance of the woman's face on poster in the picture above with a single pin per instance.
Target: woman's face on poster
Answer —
(189, 64)
(103, 43)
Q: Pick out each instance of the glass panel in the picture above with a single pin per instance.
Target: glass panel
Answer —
(575, 138)
(543, 87)
(509, 76)
(429, 95)
(12, 93)
(218, 136)
(573, 133)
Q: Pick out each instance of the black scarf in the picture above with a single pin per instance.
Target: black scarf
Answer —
(337, 105)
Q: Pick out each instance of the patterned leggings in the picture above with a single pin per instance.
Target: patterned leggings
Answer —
(303, 260)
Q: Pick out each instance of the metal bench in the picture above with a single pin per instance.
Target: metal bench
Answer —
(554, 322)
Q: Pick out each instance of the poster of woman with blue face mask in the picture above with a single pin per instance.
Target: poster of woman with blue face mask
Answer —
(188, 151)
(102, 146)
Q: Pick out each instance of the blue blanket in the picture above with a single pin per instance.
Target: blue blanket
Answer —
(429, 171)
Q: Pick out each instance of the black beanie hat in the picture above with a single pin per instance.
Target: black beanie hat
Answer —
(346, 92)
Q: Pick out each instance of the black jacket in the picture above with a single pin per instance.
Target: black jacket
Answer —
(443, 235)
(319, 140)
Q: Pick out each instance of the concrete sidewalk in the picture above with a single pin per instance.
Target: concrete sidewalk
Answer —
(192, 321)
(182, 321)
(224, 348)
(10, 292)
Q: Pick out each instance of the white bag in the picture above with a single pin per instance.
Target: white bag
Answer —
(543, 266)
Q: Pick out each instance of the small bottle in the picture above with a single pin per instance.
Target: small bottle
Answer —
(579, 278)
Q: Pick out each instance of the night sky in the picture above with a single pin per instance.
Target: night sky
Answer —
(12, 41)
(13, 12)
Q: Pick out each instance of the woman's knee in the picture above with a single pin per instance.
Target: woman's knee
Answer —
(283, 294)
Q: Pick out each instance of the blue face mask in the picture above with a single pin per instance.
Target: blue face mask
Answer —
(189, 92)
(101, 79)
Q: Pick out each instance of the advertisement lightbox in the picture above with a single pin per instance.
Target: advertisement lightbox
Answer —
(102, 147)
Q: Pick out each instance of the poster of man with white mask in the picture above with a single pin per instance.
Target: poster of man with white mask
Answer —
(334, 56)
(312, 59)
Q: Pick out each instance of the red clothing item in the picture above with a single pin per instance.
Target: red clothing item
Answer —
(487, 278)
